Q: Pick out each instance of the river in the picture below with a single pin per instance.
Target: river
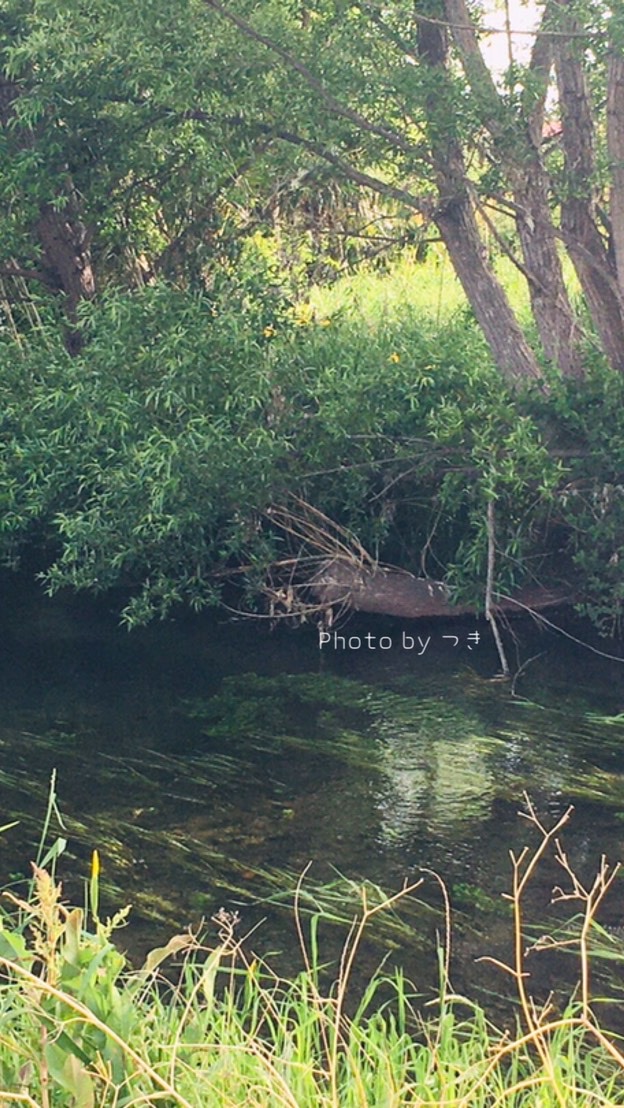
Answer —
(211, 761)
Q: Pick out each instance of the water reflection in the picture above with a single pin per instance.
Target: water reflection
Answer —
(439, 783)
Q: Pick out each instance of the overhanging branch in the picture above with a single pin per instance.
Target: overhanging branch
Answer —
(394, 138)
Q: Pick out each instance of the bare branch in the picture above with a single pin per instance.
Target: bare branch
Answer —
(15, 270)
(426, 205)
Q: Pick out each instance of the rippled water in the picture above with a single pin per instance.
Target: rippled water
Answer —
(210, 762)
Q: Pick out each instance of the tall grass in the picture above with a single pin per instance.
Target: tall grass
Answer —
(78, 1028)
(425, 289)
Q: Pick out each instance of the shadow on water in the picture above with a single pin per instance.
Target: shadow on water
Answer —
(211, 762)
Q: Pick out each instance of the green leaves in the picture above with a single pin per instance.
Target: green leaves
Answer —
(151, 460)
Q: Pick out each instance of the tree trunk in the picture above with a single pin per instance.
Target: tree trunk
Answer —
(550, 303)
(552, 310)
(66, 263)
(456, 221)
(393, 592)
(615, 138)
(595, 270)
(67, 258)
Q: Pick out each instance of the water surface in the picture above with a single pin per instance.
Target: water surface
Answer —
(211, 761)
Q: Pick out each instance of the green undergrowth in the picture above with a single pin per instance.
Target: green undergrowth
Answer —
(425, 288)
(241, 437)
(205, 1022)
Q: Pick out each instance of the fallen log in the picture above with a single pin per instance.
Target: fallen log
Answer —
(395, 592)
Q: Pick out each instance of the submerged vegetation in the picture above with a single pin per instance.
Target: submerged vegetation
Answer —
(81, 1028)
(238, 791)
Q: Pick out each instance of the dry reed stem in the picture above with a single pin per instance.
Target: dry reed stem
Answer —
(18, 1098)
(347, 960)
(523, 868)
(591, 899)
(316, 996)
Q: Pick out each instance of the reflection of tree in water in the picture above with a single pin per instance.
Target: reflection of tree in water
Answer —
(444, 767)
(437, 770)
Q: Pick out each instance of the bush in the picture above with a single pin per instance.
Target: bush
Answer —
(154, 459)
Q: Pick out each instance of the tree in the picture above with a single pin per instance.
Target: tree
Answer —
(142, 143)
(130, 154)
(108, 174)
(405, 105)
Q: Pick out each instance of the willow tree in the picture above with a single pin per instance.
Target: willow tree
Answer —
(399, 99)
(106, 175)
(117, 153)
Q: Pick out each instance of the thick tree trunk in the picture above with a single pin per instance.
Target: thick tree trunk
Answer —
(550, 303)
(596, 272)
(67, 258)
(615, 138)
(456, 221)
(552, 310)
(392, 592)
(66, 263)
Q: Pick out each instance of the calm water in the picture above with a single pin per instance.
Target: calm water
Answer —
(211, 762)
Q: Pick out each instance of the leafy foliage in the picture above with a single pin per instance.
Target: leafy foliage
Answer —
(201, 177)
(152, 460)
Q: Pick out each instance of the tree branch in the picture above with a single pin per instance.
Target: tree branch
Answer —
(477, 73)
(540, 65)
(394, 138)
(426, 205)
(15, 270)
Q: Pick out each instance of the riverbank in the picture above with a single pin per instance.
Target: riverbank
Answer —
(205, 1022)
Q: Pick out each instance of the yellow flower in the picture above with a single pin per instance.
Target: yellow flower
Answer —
(325, 323)
(394, 357)
(95, 865)
(304, 315)
(268, 332)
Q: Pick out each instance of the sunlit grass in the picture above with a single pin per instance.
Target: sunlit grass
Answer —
(425, 289)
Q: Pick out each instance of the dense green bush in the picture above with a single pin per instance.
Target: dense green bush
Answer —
(152, 459)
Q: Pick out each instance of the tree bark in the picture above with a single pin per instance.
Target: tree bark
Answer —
(456, 221)
(615, 140)
(393, 592)
(550, 303)
(66, 263)
(521, 155)
(67, 257)
(596, 271)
